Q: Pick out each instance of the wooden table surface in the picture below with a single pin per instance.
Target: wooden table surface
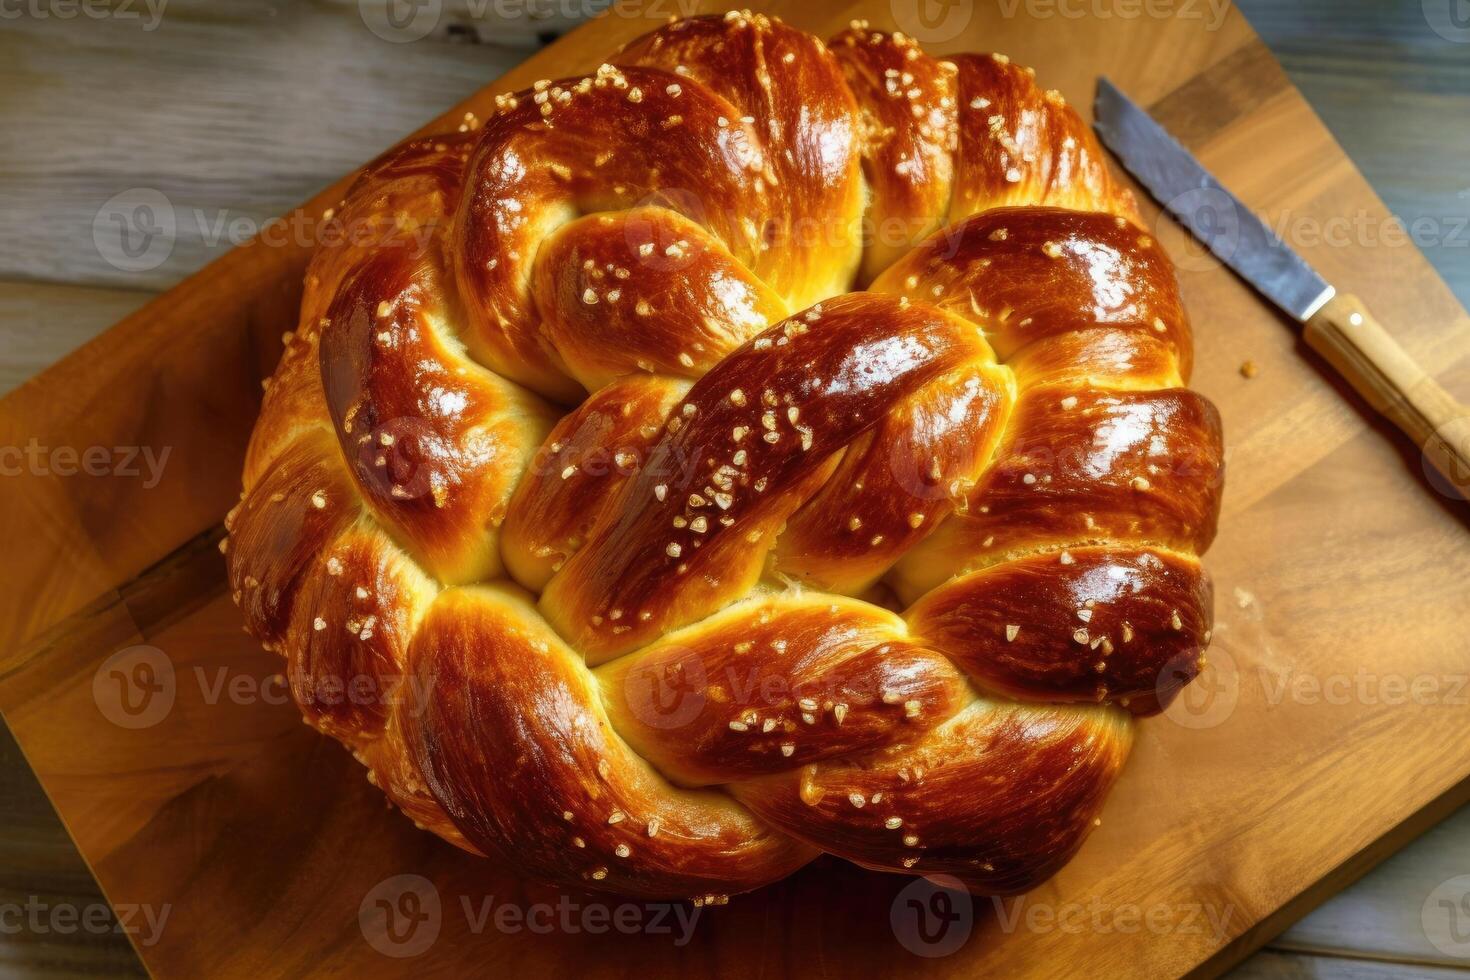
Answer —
(208, 109)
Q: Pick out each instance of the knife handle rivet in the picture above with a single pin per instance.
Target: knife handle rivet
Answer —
(1356, 319)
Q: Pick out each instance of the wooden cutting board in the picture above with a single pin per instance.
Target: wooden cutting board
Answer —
(1327, 731)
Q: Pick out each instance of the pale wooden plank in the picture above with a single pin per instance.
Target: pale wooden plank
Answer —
(1395, 95)
(68, 961)
(220, 157)
(1271, 965)
(233, 113)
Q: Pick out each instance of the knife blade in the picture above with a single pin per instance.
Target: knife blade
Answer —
(1201, 203)
(1337, 325)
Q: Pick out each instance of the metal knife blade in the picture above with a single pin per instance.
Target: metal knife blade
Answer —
(1202, 204)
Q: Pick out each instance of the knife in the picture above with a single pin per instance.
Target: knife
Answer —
(1336, 325)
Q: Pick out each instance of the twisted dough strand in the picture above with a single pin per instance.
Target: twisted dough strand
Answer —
(879, 574)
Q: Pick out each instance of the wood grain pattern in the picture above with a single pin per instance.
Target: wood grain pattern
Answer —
(1380, 917)
(39, 322)
(1250, 815)
(1345, 333)
(244, 64)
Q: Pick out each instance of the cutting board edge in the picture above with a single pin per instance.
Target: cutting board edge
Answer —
(1221, 960)
(1349, 871)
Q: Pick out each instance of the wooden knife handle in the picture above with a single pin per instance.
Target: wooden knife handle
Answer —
(1345, 333)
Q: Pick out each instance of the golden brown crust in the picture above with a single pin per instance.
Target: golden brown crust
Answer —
(910, 126)
(999, 796)
(777, 683)
(789, 90)
(358, 607)
(1083, 465)
(897, 482)
(626, 547)
(422, 425)
(575, 474)
(399, 205)
(515, 746)
(1019, 144)
(1034, 277)
(1109, 624)
(299, 506)
(758, 432)
(646, 291)
(588, 139)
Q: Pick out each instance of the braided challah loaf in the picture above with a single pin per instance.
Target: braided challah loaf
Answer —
(628, 546)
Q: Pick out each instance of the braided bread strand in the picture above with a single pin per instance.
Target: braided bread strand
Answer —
(626, 547)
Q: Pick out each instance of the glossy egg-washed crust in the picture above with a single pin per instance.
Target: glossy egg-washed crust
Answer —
(628, 547)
